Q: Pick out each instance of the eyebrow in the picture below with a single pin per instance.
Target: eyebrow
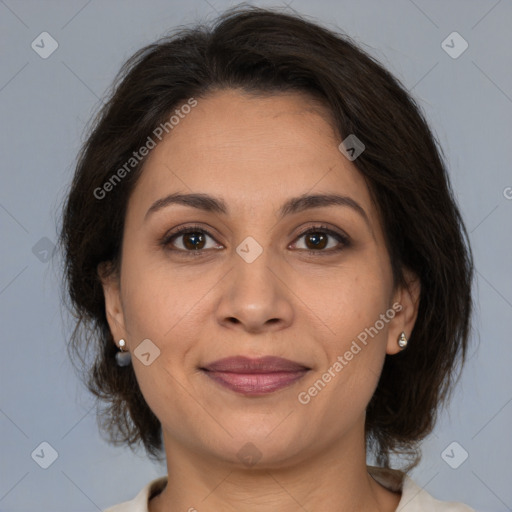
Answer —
(294, 205)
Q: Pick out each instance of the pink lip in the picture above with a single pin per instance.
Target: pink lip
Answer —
(255, 376)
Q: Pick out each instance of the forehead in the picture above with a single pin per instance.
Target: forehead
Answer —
(254, 151)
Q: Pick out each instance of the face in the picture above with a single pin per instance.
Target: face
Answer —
(246, 280)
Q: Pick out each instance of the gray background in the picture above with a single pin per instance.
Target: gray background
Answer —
(45, 104)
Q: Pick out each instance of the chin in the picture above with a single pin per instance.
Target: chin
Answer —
(259, 449)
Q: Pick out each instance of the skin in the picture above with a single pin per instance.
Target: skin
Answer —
(255, 153)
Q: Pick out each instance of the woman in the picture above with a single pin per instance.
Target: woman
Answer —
(266, 260)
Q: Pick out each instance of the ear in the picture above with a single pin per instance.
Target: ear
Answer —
(405, 304)
(110, 281)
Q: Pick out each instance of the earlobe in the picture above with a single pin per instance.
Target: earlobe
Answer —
(113, 306)
(408, 299)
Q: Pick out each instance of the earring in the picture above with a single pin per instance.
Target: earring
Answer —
(123, 358)
(402, 341)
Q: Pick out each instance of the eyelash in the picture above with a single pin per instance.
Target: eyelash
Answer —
(341, 238)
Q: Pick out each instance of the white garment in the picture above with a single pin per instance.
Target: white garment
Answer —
(414, 498)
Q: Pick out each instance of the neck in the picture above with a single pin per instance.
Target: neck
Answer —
(331, 481)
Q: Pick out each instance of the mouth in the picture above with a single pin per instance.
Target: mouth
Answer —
(255, 376)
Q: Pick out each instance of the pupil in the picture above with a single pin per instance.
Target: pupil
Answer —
(196, 238)
(318, 240)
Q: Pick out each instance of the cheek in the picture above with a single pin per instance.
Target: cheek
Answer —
(342, 388)
(363, 332)
(156, 297)
(169, 398)
(351, 305)
(345, 299)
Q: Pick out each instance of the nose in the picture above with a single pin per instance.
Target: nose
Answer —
(256, 296)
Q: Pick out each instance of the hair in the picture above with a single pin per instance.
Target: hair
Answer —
(264, 52)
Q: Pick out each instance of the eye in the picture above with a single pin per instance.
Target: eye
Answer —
(189, 239)
(318, 238)
(193, 240)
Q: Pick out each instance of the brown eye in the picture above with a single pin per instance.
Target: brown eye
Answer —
(193, 241)
(316, 239)
(189, 239)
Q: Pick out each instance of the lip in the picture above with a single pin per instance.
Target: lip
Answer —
(242, 364)
(255, 376)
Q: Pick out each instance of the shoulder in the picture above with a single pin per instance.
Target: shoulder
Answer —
(140, 502)
(414, 498)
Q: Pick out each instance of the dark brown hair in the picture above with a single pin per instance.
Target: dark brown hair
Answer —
(262, 51)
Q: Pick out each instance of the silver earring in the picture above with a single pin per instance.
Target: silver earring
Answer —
(402, 341)
(123, 358)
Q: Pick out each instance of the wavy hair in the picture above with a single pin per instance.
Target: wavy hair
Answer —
(262, 52)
